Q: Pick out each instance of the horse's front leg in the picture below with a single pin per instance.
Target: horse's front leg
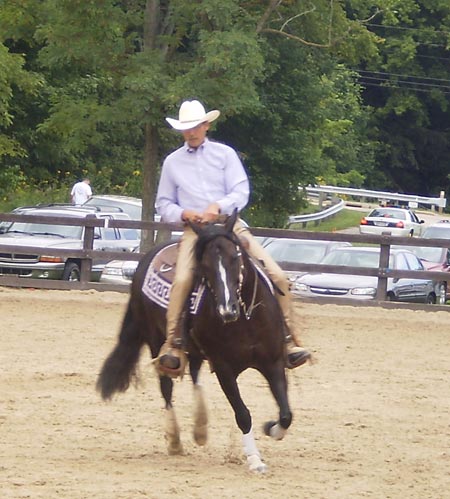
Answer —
(229, 385)
(200, 411)
(276, 376)
(172, 432)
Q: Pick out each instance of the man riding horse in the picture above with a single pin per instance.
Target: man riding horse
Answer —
(199, 182)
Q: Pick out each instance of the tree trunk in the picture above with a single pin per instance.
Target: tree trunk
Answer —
(149, 183)
(150, 135)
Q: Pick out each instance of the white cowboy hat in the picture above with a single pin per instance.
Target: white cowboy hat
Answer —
(191, 114)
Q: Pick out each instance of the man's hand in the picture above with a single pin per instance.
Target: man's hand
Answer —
(211, 214)
(191, 216)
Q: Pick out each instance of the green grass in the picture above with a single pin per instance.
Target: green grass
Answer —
(345, 219)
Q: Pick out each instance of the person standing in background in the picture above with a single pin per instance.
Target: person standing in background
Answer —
(81, 192)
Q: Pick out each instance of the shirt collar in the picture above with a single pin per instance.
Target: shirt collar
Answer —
(191, 149)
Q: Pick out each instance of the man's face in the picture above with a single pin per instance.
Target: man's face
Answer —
(196, 136)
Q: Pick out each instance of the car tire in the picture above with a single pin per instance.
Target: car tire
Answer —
(390, 297)
(71, 272)
(431, 299)
(442, 299)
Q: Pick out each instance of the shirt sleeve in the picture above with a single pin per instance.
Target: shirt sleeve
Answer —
(166, 197)
(237, 185)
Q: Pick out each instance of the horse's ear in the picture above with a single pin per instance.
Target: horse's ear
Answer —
(231, 220)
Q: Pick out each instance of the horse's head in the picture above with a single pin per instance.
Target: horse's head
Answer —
(218, 255)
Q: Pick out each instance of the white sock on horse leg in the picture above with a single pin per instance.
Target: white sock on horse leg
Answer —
(248, 441)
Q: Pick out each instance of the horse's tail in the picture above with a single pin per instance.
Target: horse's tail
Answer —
(119, 368)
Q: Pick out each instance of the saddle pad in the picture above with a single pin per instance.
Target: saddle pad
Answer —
(159, 277)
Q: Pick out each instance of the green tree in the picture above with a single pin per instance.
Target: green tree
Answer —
(408, 85)
(110, 71)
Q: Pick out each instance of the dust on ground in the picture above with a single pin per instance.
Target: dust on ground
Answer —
(371, 417)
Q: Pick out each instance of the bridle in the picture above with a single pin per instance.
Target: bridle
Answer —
(247, 310)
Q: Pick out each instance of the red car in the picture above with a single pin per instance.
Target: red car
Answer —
(434, 259)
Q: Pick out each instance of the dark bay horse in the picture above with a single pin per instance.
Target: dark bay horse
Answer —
(238, 326)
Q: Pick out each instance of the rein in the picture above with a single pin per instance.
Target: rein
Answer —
(248, 310)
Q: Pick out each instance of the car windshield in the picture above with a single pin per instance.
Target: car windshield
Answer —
(352, 259)
(386, 213)
(116, 205)
(39, 229)
(296, 252)
(424, 253)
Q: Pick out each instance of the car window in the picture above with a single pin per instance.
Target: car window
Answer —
(42, 229)
(429, 254)
(413, 262)
(129, 234)
(386, 213)
(414, 217)
(109, 234)
(437, 233)
(296, 252)
(398, 262)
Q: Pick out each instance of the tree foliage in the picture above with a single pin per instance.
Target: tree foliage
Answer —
(85, 87)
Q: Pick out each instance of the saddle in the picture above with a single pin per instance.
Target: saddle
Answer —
(159, 277)
(160, 274)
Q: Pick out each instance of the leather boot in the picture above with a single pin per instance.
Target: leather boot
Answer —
(172, 360)
(296, 355)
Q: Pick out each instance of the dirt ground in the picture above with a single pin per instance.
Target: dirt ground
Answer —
(371, 417)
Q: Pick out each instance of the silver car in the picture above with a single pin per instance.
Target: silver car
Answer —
(361, 287)
(25, 263)
(286, 251)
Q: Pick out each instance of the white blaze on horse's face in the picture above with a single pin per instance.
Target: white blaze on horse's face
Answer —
(229, 309)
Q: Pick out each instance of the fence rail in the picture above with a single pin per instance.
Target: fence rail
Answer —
(316, 217)
(440, 201)
(87, 254)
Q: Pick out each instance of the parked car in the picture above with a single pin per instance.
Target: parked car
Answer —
(285, 251)
(111, 203)
(438, 230)
(119, 271)
(436, 260)
(397, 221)
(360, 287)
(48, 235)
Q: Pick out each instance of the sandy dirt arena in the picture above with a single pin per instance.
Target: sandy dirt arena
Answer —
(371, 417)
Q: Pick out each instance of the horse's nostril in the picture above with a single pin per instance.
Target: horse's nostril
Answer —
(230, 314)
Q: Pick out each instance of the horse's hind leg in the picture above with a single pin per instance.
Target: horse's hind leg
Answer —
(278, 386)
(172, 433)
(200, 411)
(229, 385)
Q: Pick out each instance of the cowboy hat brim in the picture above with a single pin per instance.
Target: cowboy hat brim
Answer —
(187, 125)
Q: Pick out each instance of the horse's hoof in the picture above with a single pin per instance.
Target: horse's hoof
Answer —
(201, 435)
(255, 464)
(274, 430)
(297, 359)
(175, 449)
(267, 427)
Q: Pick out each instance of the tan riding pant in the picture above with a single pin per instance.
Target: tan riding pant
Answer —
(184, 275)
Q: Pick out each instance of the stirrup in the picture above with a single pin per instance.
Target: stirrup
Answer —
(297, 358)
(171, 361)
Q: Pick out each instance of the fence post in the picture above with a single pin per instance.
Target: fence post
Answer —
(383, 266)
(88, 244)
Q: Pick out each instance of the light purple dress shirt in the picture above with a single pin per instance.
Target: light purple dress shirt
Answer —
(194, 178)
